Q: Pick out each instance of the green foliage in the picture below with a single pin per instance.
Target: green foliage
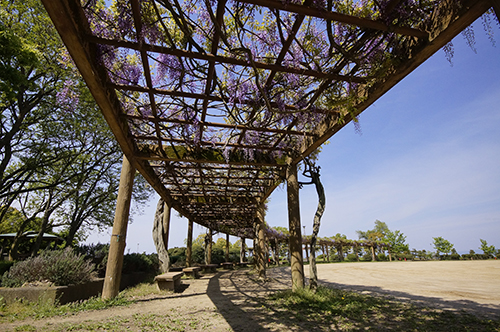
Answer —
(140, 263)
(5, 266)
(13, 218)
(97, 254)
(442, 246)
(352, 257)
(489, 251)
(397, 242)
(17, 56)
(177, 256)
(61, 267)
(44, 308)
(378, 233)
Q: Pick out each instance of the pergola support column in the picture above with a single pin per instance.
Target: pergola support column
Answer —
(295, 240)
(261, 243)
(166, 223)
(242, 251)
(227, 247)
(117, 244)
(189, 244)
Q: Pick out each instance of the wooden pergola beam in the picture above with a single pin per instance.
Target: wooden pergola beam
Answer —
(338, 17)
(222, 59)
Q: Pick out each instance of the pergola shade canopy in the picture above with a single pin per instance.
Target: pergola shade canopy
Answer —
(212, 100)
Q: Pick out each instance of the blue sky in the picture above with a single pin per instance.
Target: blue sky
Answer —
(427, 162)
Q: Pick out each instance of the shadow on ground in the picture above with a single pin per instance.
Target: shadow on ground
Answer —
(242, 300)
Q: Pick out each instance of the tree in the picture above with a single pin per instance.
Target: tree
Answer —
(442, 246)
(30, 76)
(68, 171)
(397, 242)
(312, 171)
(489, 251)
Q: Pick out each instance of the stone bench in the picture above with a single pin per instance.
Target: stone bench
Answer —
(244, 264)
(192, 271)
(169, 280)
(227, 265)
(210, 268)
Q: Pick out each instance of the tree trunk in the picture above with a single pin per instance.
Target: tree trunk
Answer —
(313, 272)
(158, 238)
(13, 252)
(340, 251)
(208, 247)
(373, 253)
(43, 226)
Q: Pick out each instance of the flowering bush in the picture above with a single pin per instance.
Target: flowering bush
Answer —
(60, 267)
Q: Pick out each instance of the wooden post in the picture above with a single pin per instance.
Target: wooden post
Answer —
(277, 252)
(117, 244)
(227, 247)
(242, 251)
(189, 244)
(208, 249)
(261, 243)
(295, 241)
(166, 223)
(307, 251)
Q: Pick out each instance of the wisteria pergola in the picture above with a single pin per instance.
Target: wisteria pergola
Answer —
(215, 102)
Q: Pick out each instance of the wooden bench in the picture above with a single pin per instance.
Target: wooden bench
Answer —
(210, 268)
(192, 271)
(169, 280)
(227, 265)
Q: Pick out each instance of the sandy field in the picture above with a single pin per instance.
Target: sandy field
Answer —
(230, 300)
(469, 285)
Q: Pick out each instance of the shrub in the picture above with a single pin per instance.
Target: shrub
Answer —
(352, 257)
(97, 254)
(382, 257)
(61, 267)
(5, 266)
(140, 263)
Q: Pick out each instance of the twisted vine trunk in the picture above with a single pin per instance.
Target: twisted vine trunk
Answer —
(313, 271)
(158, 237)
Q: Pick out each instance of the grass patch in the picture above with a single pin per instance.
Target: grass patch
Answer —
(46, 308)
(140, 290)
(331, 309)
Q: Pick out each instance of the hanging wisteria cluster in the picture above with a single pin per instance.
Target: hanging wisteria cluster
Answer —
(273, 70)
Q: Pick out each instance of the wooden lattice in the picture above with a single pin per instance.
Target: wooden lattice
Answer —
(211, 100)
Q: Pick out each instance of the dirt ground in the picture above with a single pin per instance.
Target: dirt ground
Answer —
(469, 285)
(229, 300)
